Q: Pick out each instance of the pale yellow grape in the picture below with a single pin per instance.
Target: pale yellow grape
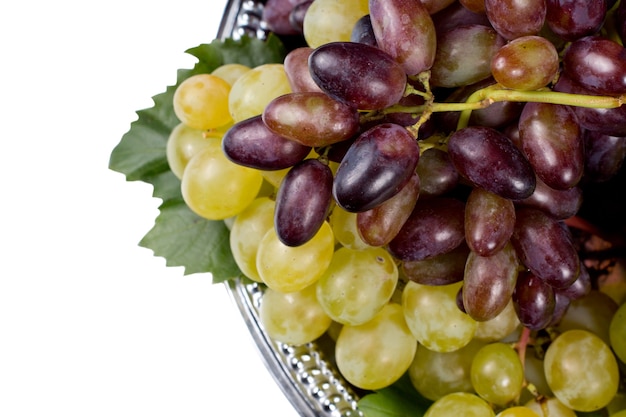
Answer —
(275, 177)
(436, 374)
(184, 142)
(621, 413)
(617, 333)
(201, 102)
(332, 20)
(460, 404)
(247, 230)
(294, 318)
(550, 407)
(253, 91)
(518, 411)
(497, 373)
(377, 353)
(344, 225)
(581, 370)
(434, 318)
(357, 284)
(502, 325)
(230, 72)
(292, 268)
(216, 188)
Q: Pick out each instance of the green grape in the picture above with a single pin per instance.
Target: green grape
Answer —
(292, 268)
(357, 284)
(201, 102)
(375, 354)
(581, 370)
(230, 72)
(255, 89)
(497, 373)
(332, 21)
(621, 413)
(344, 224)
(294, 318)
(184, 142)
(434, 318)
(550, 407)
(517, 411)
(247, 230)
(617, 333)
(592, 312)
(215, 188)
(460, 404)
(498, 327)
(436, 374)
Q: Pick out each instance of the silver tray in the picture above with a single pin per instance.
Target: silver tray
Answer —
(306, 374)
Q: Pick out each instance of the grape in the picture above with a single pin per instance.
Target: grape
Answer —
(460, 404)
(436, 374)
(545, 248)
(604, 155)
(436, 172)
(489, 282)
(457, 14)
(247, 230)
(574, 19)
(617, 333)
(215, 187)
(525, 63)
(557, 155)
(489, 221)
(517, 411)
(597, 64)
(500, 326)
(311, 118)
(490, 160)
(303, 202)
(434, 318)
(250, 143)
(434, 6)
(297, 14)
(534, 301)
(357, 74)
(292, 268)
(497, 374)
(580, 287)
(435, 227)
(184, 142)
(276, 15)
(332, 21)
(592, 312)
(296, 65)
(230, 72)
(201, 102)
(446, 268)
(583, 385)
(255, 89)
(363, 32)
(514, 18)
(405, 30)
(375, 354)
(551, 407)
(344, 225)
(559, 204)
(375, 168)
(474, 45)
(379, 225)
(357, 284)
(295, 318)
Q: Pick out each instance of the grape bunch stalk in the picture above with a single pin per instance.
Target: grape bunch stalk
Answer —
(417, 179)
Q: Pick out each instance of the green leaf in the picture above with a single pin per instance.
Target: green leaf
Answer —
(398, 400)
(180, 236)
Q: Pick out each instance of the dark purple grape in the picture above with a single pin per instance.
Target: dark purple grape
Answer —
(437, 174)
(556, 155)
(579, 288)
(574, 19)
(435, 227)
(559, 204)
(379, 225)
(489, 222)
(276, 15)
(362, 32)
(456, 15)
(375, 168)
(405, 30)
(302, 202)
(489, 282)
(597, 64)
(250, 143)
(534, 301)
(312, 119)
(296, 65)
(358, 74)
(620, 20)
(487, 158)
(545, 247)
(604, 155)
(515, 18)
(434, 6)
(561, 304)
(296, 16)
(443, 269)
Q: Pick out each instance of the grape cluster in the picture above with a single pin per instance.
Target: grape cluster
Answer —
(413, 174)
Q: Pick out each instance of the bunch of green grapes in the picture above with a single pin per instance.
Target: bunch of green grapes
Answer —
(418, 174)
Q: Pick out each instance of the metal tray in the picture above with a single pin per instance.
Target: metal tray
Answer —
(306, 374)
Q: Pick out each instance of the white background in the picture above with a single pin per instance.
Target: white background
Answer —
(90, 323)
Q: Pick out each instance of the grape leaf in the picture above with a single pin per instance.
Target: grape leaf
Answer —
(179, 235)
(400, 399)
